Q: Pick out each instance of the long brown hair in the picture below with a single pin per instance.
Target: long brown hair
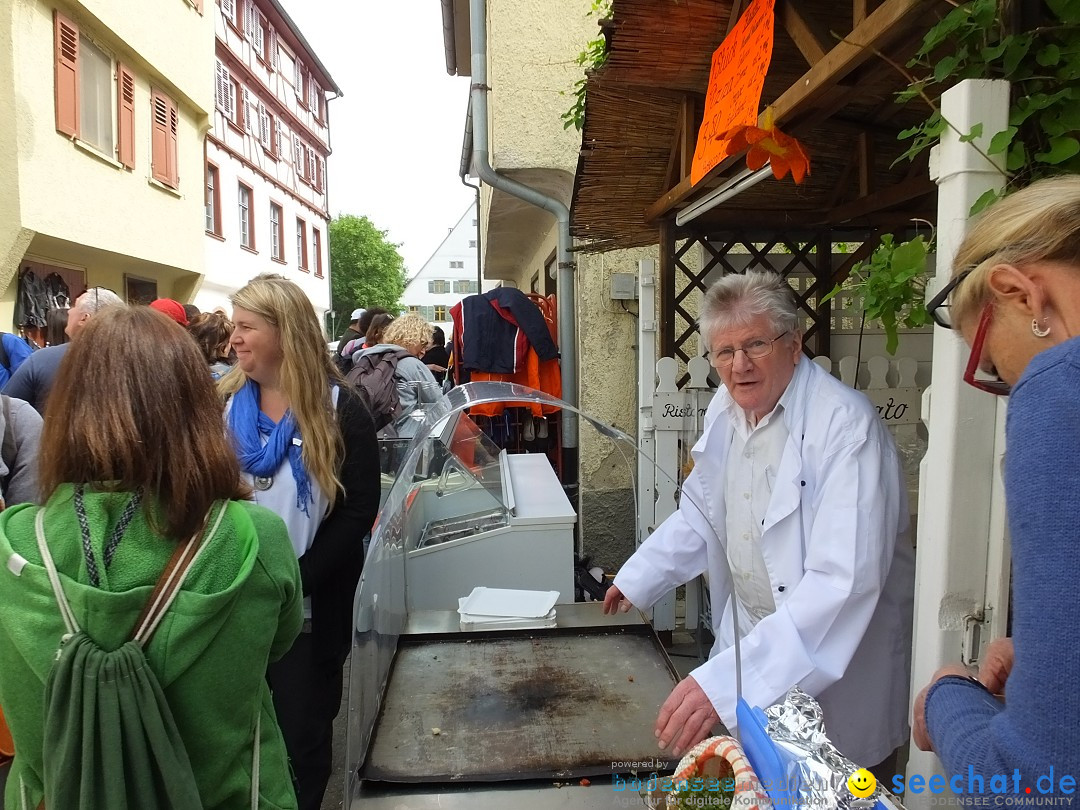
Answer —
(133, 408)
(307, 373)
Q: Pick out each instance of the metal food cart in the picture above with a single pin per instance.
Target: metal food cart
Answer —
(440, 717)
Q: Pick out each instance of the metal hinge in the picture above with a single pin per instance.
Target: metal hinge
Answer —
(976, 628)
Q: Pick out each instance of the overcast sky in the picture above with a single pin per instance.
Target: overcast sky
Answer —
(396, 131)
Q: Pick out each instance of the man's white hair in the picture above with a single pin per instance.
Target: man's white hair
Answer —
(739, 298)
(96, 299)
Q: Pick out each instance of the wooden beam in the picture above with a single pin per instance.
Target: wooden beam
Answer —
(865, 149)
(737, 7)
(859, 12)
(666, 284)
(902, 192)
(885, 25)
(812, 40)
(687, 135)
(681, 155)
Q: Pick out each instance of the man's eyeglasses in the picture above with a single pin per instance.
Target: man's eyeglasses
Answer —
(754, 350)
(938, 306)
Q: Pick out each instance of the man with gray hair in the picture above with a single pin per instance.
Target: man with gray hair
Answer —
(34, 379)
(796, 510)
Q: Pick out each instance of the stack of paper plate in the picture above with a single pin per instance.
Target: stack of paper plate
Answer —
(507, 609)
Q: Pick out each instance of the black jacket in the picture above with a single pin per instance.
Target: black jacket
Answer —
(494, 343)
(331, 567)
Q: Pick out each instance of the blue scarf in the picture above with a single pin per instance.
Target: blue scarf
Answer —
(248, 425)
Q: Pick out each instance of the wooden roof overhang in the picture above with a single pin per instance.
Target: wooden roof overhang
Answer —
(831, 83)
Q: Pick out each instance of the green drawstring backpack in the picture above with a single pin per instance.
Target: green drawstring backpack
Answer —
(110, 740)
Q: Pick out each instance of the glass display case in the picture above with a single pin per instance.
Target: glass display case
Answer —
(441, 716)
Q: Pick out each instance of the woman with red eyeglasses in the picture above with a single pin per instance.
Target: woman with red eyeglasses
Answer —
(1015, 297)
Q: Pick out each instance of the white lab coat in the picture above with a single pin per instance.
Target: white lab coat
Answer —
(840, 564)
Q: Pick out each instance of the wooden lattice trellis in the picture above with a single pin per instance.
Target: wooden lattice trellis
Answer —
(805, 260)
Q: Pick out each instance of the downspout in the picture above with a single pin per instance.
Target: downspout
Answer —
(478, 102)
(463, 171)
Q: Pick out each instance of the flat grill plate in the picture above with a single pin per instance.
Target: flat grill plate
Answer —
(521, 708)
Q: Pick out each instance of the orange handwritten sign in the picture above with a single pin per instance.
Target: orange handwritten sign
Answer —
(736, 80)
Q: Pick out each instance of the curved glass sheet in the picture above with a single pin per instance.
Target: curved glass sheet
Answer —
(453, 490)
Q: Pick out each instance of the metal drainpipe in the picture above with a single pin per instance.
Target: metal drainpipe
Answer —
(463, 172)
(564, 260)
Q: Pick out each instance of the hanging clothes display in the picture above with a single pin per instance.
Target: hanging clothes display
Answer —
(507, 336)
(32, 301)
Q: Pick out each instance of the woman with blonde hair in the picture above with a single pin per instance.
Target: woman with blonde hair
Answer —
(414, 380)
(133, 465)
(307, 446)
(1015, 298)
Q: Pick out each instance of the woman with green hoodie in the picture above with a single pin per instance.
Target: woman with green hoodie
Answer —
(133, 460)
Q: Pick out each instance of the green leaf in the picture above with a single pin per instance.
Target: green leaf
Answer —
(1061, 149)
(992, 53)
(940, 32)
(1068, 11)
(1048, 56)
(976, 132)
(907, 133)
(1050, 123)
(831, 294)
(910, 256)
(1017, 157)
(986, 199)
(945, 68)
(1015, 53)
(983, 12)
(1000, 142)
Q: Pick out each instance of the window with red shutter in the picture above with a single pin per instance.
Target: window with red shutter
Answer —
(67, 74)
(159, 137)
(316, 249)
(125, 95)
(163, 140)
(173, 153)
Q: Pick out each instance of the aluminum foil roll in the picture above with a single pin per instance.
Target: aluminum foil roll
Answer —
(797, 727)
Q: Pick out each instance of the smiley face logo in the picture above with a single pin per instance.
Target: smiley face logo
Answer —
(861, 783)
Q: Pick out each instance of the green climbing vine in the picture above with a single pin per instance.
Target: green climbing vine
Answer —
(593, 57)
(979, 39)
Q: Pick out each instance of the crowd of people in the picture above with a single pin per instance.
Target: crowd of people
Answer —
(157, 423)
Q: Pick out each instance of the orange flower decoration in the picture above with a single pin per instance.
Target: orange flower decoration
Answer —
(767, 144)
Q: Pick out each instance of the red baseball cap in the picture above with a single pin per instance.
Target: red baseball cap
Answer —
(174, 309)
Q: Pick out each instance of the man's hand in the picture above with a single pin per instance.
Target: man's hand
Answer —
(687, 713)
(615, 602)
(919, 733)
(996, 665)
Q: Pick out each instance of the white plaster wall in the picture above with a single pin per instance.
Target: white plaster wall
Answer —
(532, 48)
(169, 35)
(455, 247)
(229, 266)
(70, 194)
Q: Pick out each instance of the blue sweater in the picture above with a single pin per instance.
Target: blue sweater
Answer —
(1039, 728)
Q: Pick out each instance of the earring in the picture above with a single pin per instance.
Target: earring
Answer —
(1036, 331)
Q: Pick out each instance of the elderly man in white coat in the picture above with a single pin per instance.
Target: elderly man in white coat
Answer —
(796, 504)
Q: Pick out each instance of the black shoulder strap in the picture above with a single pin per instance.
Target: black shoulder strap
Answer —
(5, 361)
